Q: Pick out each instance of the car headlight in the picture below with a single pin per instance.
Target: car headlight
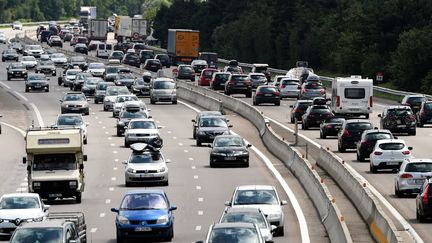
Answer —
(240, 152)
(120, 123)
(36, 185)
(130, 170)
(219, 154)
(39, 219)
(123, 220)
(273, 216)
(153, 134)
(163, 169)
(73, 184)
(201, 133)
(66, 106)
(162, 220)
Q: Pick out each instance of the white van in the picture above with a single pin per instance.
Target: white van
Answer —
(352, 96)
(104, 50)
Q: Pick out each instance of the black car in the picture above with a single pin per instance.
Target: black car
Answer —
(201, 114)
(209, 127)
(298, 109)
(67, 37)
(331, 126)
(315, 115)
(16, 70)
(111, 72)
(125, 117)
(89, 86)
(78, 61)
(80, 78)
(424, 201)
(398, 119)
(266, 94)
(218, 80)
(132, 59)
(124, 79)
(101, 90)
(123, 46)
(184, 72)
(199, 65)
(413, 101)
(146, 54)
(239, 84)
(164, 60)
(424, 115)
(210, 57)
(81, 48)
(46, 67)
(16, 46)
(44, 36)
(36, 82)
(152, 65)
(368, 140)
(116, 55)
(350, 133)
(141, 87)
(229, 150)
(10, 54)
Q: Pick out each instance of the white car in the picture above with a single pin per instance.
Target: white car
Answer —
(97, 69)
(289, 88)
(142, 130)
(265, 198)
(134, 106)
(29, 62)
(412, 175)
(111, 94)
(145, 165)
(389, 154)
(3, 38)
(33, 50)
(120, 99)
(17, 25)
(59, 59)
(18, 208)
(72, 120)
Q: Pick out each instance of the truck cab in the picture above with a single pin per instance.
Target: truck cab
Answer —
(55, 162)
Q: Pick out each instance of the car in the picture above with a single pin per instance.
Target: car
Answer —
(200, 114)
(424, 115)
(266, 94)
(368, 140)
(229, 150)
(3, 38)
(257, 79)
(135, 106)
(55, 40)
(141, 86)
(233, 69)
(218, 80)
(89, 86)
(132, 59)
(16, 70)
(389, 154)
(412, 175)
(103, 50)
(209, 127)
(29, 62)
(298, 109)
(350, 133)
(249, 215)
(398, 119)
(92, 46)
(82, 40)
(205, 76)
(80, 78)
(164, 60)
(146, 54)
(116, 55)
(261, 68)
(59, 60)
(124, 118)
(315, 115)
(74, 40)
(74, 102)
(234, 232)
(79, 61)
(50, 51)
(17, 209)
(36, 82)
(210, 57)
(413, 101)
(120, 99)
(310, 90)
(17, 46)
(16, 25)
(141, 206)
(152, 65)
(67, 37)
(33, 50)
(9, 54)
(184, 71)
(264, 197)
(238, 84)
(46, 67)
(424, 201)
(138, 46)
(111, 94)
(111, 72)
(72, 120)
(141, 130)
(44, 36)
(163, 90)
(68, 78)
(124, 79)
(63, 32)
(81, 48)
(100, 91)
(146, 164)
(123, 46)
(199, 65)
(331, 126)
(290, 88)
(97, 69)
(320, 101)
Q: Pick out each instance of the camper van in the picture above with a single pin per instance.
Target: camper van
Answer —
(352, 96)
(104, 50)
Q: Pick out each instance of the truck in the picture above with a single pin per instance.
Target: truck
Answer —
(183, 45)
(139, 29)
(55, 162)
(86, 14)
(122, 28)
(98, 29)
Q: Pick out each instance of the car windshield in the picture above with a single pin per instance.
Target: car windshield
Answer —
(28, 58)
(96, 66)
(313, 86)
(335, 120)
(245, 217)
(416, 100)
(320, 110)
(42, 162)
(132, 115)
(144, 201)
(228, 142)
(266, 89)
(247, 197)
(164, 85)
(212, 122)
(17, 66)
(58, 55)
(222, 77)
(239, 78)
(359, 126)
(39, 234)
(258, 77)
(378, 136)
(92, 81)
(139, 82)
(143, 158)
(399, 112)
(73, 98)
(142, 125)
(77, 59)
(289, 82)
(112, 69)
(391, 146)
(117, 54)
(72, 72)
(19, 202)
(10, 51)
(125, 76)
(303, 105)
(36, 77)
(418, 167)
(112, 91)
(35, 48)
(69, 120)
(234, 235)
(121, 99)
(260, 69)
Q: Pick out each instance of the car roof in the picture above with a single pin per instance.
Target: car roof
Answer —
(159, 191)
(304, 101)
(203, 113)
(142, 119)
(357, 120)
(163, 79)
(260, 74)
(417, 160)
(70, 114)
(50, 223)
(398, 107)
(229, 136)
(415, 95)
(24, 194)
(255, 187)
(233, 225)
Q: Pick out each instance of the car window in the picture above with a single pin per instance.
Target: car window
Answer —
(303, 105)
(399, 112)
(416, 100)
(51, 162)
(320, 110)
(69, 120)
(359, 126)
(73, 98)
(132, 115)
(212, 122)
(335, 120)
(41, 234)
(239, 78)
(234, 234)
(254, 218)
(222, 77)
(143, 201)
(355, 93)
(36, 77)
(146, 158)
(142, 125)
(313, 86)
(228, 142)
(164, 85)
(391, 146)
(246, 197)
(19, 202)
(418, 167)
(96, 66)
(428, 106)
(378, 136)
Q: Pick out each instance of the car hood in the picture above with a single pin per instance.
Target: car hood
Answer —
(74, 102)
(212, 129)
(28, 213)
(163, 91)
(71, 77)
(129, 131)
(227, 149)
(38, 82)
(46, 66)
(28, 62)
(59, 59)
(143, 215)
(90, 86)
(146, 166)
(266, 209)
(110, 98)
(101, 70)
(77, 63)
(125, 80)
(18, 70)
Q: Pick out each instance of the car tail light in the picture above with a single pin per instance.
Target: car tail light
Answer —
(283, 86)
(338, 101)
(370, 101)
(304, 91)
(297, 110)
(425, 198)
(259, 94)
(406, 152)
(277, 93)
(406, 176)
(328, 126)
(378, 153)
(345, 133)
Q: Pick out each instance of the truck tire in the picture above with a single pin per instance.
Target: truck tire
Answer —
(78, 197)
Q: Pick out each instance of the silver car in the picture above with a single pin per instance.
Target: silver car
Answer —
(142, 130)
(289, 88)
(74, 102)
(72, 120)
(163, 90)
(111, 94)
(120, 99)
(411, 176)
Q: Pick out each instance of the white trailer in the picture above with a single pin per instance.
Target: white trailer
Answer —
(123, 27)
(98, 29)
(139, 29)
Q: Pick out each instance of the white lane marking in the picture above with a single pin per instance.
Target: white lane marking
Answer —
(186, 151)
(200, 212)
(111, 188)
(106, 133)
(96, 117)
(200, 199)
(109, 138)
(22, 96)
(103, 127)
(195, 177)
(113, 178)
(198, 187)
(168, 160)
(7, 86)
(193, 167)
(23, 133)
(112, 145)
(21, 189)
(93, 230)
(115, 168)
(180, 144)
(191, 159)
(107, 201)
(115, 152)
(168, 131)
(102, 215)
(99, 122)
(116, 160)
(93, 113)
(297, 209)
(198, 227)
(38, 115)
(174, 137)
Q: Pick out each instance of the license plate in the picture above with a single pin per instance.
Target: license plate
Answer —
(74, 109)
(392, 163)
(142, 229)
(239, 84)
(230, 158)
(54, 195)
(37, 86)
(401, 126)
(419, 181)
(267, 94)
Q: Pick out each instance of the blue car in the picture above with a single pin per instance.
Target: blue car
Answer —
(145, 213)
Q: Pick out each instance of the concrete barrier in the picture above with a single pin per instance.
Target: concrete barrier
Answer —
(195, 97)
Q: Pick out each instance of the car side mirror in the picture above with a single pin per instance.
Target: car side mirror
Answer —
(1, 115)
(200, 241)
(46, 207)
(159, 127)
(193, 120)
(114, 210)
(173, 207)
(228, 203)
(291, 106)
(124, 162)
(249, 145)
(395, 137)
(410, 148)
(148, 109)
(87, 124)
(283, 202)
(24, 160)
(61, 101)
(149, 117)
(379, 115)
(230, 126)
(85, 157)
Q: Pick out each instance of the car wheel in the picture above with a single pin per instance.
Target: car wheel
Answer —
(277, 103)
(420, 124)
(412, 132)
(198, 143)
(249, 95)
(212, 164)
(422, 218)
(246, 164)
(105, 108)
(47, 90)
(398, 193)
(165, 183)
(96, 101)
(292, 120)
(85, 141)
(126, 144)
(341, 148)
(27, 90)
(127, 184)
(170, 234)
(174, 102)
(119, 133)
(304, 126)
(280, 231)
(78, 197)
(322, 135)
(372, 168)
(8, 78)
(119, 237)
(367, 116)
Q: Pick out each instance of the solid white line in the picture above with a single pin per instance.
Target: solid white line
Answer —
(38, 115)
(22, 132)
(185, 151)
(304, 232)
(195, 177)
(102, 215)
(111, 188)
(193, 167)
(200, 212)
(22, 96)
(198, 187)
(107, 201)
(93, 230)
(200, 199)
(191, 159)
(113, 178)
(198, 227)
(7, 86)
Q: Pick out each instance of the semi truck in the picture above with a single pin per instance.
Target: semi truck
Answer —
(132, 29)
(98, 29)
(55, 162)
(139, 29)
(183, 45)
(86, 14)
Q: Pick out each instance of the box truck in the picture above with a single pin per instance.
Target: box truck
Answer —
(183, 45)
(98, 29)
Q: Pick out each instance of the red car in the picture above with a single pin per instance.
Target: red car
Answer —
(206, 76)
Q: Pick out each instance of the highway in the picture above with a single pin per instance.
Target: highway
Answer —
(198, 191)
